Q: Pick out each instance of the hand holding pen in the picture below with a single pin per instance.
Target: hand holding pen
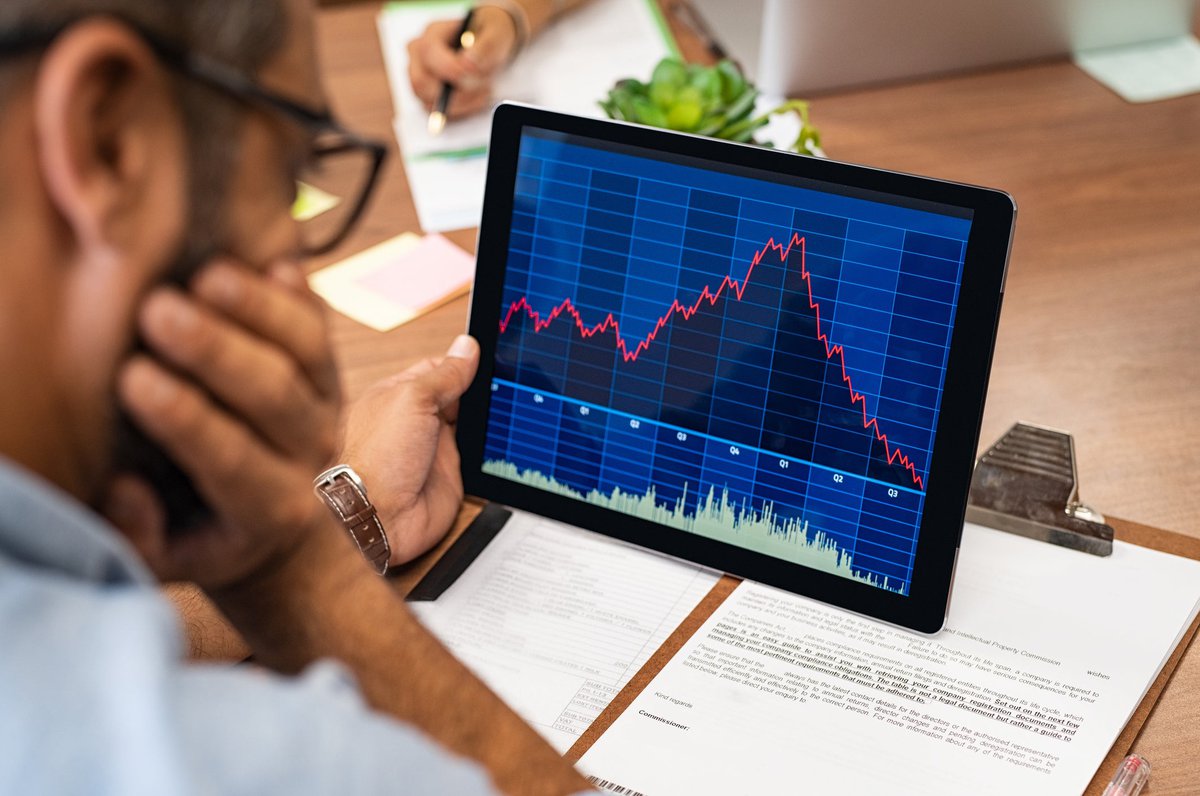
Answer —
(456, 61)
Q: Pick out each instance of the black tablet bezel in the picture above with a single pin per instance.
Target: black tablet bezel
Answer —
(957, 431)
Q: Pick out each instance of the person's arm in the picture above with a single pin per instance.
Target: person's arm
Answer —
(501, 29)
(327, 603)
(409, 461)
(242, 409)
(537, 13)
(207, 633)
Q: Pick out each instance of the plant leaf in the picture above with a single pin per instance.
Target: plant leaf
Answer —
(708, 83)
(685, 114)
(733, 82)
(743, 105)
(715, 101)
(646, 112)
(712, 124)
(670, 72)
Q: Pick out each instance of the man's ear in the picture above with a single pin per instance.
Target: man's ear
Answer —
(110, 142)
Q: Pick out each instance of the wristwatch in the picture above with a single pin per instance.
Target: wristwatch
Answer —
(346, 495)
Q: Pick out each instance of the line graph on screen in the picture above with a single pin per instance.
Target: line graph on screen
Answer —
(735, 358)
(736, 290)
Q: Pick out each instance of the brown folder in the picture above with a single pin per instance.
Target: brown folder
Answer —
(1142, 535)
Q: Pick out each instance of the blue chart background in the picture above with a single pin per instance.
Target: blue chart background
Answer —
(741, 396)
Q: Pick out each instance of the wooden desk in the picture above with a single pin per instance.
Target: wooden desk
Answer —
(1101, 326)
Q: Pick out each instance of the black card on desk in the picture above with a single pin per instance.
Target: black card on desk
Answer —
(460, 555)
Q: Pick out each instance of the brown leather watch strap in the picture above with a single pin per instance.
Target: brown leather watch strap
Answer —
(343, 492)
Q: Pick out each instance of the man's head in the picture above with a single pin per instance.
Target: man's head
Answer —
(118, 172)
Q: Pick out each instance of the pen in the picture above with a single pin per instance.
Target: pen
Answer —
(464, 40)
(1130, 777)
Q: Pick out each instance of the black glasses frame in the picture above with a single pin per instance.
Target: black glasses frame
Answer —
(239, 86)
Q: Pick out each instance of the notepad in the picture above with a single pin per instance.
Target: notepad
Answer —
(1149, 71)
(396, 281)
(568, 67)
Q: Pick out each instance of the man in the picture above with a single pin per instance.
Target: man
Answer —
(139, 139)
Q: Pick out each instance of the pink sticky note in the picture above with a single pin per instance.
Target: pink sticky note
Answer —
(424, 275)
(396, 281)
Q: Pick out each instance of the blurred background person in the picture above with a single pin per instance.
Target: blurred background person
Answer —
(501, 29)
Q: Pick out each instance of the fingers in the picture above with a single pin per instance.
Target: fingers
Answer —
(468, 96)
(455, 374)
(435, 51)
(433, 61)
(211, 446)
(465, 103)
(424, 84)
(495, 39)
(442, 382)
(292, 277)
(243, 480)
(281, 309)
(257, 379)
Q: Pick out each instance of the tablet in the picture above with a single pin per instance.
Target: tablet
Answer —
(764, 363)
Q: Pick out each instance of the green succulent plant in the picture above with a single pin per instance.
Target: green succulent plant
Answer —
(714, 100)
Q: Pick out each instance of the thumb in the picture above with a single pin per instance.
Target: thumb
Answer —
(491, 49)
(451, 377)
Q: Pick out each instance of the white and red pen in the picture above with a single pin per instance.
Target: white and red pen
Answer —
(1130, 777)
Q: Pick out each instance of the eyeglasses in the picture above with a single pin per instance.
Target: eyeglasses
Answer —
(342, 168)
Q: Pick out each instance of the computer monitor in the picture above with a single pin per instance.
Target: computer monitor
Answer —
(804, 47)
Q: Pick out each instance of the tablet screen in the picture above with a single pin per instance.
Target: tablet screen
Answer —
(754, 358)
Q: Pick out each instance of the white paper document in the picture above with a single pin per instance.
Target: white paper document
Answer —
(569, 67)
(1149, 71)
(556, 620)
(1045, 656)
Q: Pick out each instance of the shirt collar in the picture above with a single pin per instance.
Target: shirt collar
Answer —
(43, 526)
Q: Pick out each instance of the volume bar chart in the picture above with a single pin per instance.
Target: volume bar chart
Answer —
(772, 525)
(751, 361)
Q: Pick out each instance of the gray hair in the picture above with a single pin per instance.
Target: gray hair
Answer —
(241, 33)
(244, 34)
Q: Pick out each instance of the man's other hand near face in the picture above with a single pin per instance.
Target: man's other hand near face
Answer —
(239, 387)
(116, 176)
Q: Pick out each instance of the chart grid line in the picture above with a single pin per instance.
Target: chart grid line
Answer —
(727, 356)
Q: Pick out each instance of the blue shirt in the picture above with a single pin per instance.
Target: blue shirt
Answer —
(95, 695)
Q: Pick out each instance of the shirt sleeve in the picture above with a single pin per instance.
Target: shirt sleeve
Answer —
(94, 698)
(247, 731)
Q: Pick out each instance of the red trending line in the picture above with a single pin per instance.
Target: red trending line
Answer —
(711, 296)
